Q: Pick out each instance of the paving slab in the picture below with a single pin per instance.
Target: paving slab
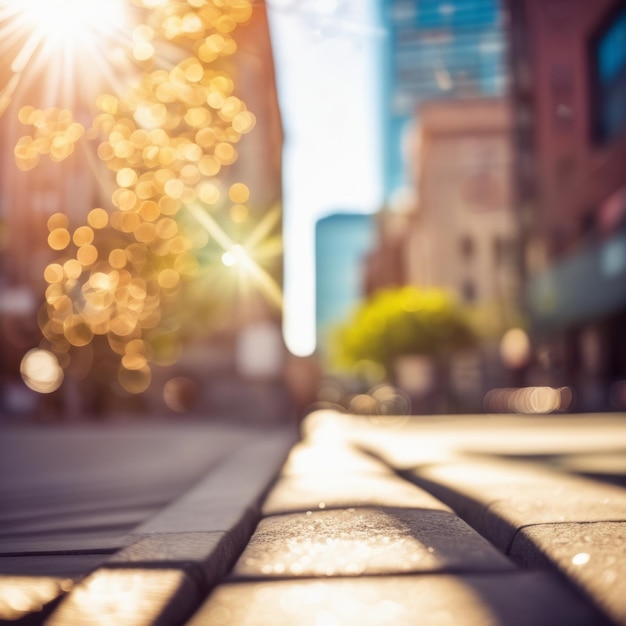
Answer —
(206, 556)
(91, 542)
(83, 488)
(204, 512)
(78, 522)
(228, 498)
(351, 542)
(64, 565)
(503, 599)
(331, 458)
(427, 438)
(26, 599)
(498, 498)
(592, 556)
(128, 597)
(324, 491)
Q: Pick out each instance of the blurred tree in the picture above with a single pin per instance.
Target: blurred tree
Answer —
(399, 322)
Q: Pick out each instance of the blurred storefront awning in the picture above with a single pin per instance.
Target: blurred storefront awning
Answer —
(582, 288)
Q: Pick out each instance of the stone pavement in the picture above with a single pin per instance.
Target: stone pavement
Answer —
(477, 520)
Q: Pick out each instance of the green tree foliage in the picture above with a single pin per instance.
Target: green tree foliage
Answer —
(402, 321)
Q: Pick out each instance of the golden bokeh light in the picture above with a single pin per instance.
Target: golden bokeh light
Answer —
(57, 220)
(54, 273)
(40, 371)
(528, 400)
(54, 134)
(143, 51)
(77, 331)
(87, 255)
(98, 218)
(164, 142)
(72, 269)
(169, 278)
(83, 236)
(239, 193)
(238, 213)
(134, 361)
(208, 193)
(59, 239)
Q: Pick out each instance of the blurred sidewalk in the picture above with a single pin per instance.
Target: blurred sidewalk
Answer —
(431, 520)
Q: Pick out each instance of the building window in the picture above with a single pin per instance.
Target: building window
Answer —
(588, 223)
(466, 247)
(608, 60)
(468, 291)
(499, 250)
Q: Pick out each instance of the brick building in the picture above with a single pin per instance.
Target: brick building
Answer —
(568, 61)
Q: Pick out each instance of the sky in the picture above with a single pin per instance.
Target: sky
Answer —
(328, 71)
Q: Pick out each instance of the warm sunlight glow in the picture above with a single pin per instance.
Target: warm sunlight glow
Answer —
(67, 23)
(21, 596)
(241, 256)
(125, 596)
(236, 256)
(167, 124)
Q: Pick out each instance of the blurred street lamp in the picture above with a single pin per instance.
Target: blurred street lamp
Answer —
(515, 348)
(40, 371)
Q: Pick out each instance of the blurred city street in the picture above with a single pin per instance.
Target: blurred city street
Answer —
(312, 312)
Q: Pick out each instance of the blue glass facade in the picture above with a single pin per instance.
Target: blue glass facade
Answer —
(341, 242)
(610, 59)
(437, 49)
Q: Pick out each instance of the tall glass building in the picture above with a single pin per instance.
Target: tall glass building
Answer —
(342, 240)
(437, 49)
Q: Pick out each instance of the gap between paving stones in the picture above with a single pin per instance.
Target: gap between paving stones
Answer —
(204, 557)
(588, 554)
(461, 571)
(481, 515)
(95, 551)
(174, 558)
(537, 558)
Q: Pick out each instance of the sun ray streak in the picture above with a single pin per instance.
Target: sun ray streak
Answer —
(110, 77)
(30, 78)
(8, 13)
(12, 38)
(263, 228)
(7, 93)
(267, 284)
(26, 53)
(211, 226)
(269, 249)
(261, 277)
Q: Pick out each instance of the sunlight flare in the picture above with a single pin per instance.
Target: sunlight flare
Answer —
(67, 24)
